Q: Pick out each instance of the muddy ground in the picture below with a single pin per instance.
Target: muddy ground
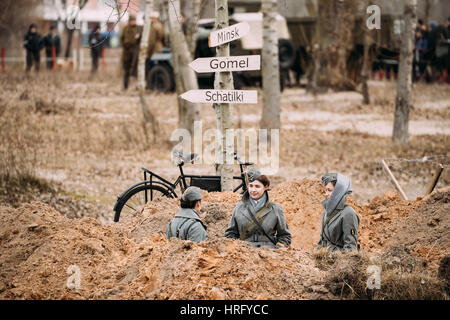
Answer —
(72, 143)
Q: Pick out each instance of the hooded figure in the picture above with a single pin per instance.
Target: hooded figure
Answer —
(274, 231)
(187, 225)
(340, 223)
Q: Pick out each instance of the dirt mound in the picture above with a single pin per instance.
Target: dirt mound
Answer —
(133, 259)
(429, 224)
(378, 218)
(301, 202)
(39, 247)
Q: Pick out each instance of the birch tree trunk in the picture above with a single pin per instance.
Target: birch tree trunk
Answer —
(365, 66)
(270, 67)
(147, 114)
(185, 77)
(70, 32)
(224, 111)
(193, 16)
(404, 84)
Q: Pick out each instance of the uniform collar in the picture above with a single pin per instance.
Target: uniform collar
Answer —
(188, 213)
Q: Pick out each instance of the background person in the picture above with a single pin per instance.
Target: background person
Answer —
(52, 41)
(129, 40)
(95, 42)
(33, 44)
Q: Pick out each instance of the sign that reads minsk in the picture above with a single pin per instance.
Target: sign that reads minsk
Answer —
(228, 34)
(221, 96)
(225, 64)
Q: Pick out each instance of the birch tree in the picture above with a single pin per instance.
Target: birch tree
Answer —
(185, 77)
(366, 64)
(192, 17)
(224, 111)
(270, 67)
(148, 116)
(404, 84)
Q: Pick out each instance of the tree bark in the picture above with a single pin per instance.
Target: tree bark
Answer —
(187, 80)
(82, 4)
(366, 64)
(404, 84)
(148, 116)
(224, 111)
(270, 67)
(192, 16)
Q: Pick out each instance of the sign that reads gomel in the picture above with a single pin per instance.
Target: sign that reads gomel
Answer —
(228, 34)
(221, 96)
(221, 64)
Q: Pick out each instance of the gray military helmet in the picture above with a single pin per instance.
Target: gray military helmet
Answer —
(253, 174)
(192, 194)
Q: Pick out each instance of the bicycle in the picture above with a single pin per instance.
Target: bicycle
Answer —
(154, 186)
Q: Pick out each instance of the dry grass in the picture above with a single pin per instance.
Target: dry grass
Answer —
(402, 276)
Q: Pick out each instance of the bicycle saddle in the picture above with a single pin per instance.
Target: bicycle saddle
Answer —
(236, 157)
(185, 157)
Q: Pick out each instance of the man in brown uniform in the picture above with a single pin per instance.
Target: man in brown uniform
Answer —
(156, 38)
(129, 39)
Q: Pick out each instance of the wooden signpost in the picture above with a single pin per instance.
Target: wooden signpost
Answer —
(228, 34)
(222, 97)
(226, 64)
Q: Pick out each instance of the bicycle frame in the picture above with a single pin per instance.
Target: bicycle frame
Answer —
(181, 180)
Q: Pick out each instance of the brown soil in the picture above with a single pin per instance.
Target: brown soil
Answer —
(133, 260)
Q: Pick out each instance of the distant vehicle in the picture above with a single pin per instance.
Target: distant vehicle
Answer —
(160, 77)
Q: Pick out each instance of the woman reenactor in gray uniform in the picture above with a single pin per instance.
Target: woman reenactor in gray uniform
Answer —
(256, 219)
(187, 225)
(340, 222)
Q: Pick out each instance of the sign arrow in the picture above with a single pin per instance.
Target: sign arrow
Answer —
(228, 34)
(221, 96)
(221, 64)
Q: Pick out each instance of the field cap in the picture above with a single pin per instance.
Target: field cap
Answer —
(253, 174)
(192, 194)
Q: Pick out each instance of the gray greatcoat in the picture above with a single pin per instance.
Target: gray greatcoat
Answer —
(187, 225)
(274, 223)
(341, 232)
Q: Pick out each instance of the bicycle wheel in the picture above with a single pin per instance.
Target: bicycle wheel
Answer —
(133, 200)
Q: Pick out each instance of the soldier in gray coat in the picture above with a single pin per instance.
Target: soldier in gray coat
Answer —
(187, 225)
(340, 222)
(255, 208)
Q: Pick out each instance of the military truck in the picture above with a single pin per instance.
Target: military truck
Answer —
(160, 76)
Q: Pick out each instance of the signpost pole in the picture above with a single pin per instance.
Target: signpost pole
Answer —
(224, 111)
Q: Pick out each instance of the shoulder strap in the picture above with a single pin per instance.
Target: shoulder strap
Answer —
(331, 216)
(180, 226)
(259, 225)
(251, 223)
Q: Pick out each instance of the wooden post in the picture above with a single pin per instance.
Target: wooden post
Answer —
(396, 184)
(224, 111)
(435, 180)
(53, 58)
(3, 60)
(103, 58)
